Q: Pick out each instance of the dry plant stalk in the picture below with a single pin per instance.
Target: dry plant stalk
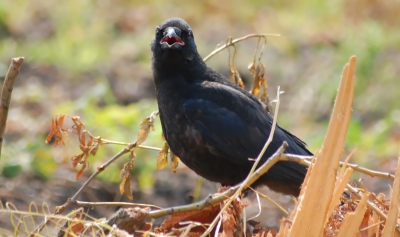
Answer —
(391, 220)
(6, 91)
(322, 176)
(341, 183)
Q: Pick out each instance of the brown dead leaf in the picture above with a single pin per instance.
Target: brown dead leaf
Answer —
(76, 160)
(60, 121)
(145, 127)
(75, 227)
(125, 187)
(82, 138)
(205, 216)
(252, 66)
(80, 172)
(52, 131)
(174, 162)
(93, 151)
(235, 77)
(57, 130)
(259, 84)
(162, 158)
(88, 143)
(257, 78)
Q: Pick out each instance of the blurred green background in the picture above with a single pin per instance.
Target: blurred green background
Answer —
(92, 59)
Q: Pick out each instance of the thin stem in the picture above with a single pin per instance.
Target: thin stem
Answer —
(115, 204)
(232, 42)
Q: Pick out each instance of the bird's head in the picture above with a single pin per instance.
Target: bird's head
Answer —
(173, 42)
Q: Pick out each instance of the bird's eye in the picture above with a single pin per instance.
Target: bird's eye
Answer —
(190, 34)
(157, 31)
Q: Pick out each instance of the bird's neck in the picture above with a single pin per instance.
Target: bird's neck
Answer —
(188, 70)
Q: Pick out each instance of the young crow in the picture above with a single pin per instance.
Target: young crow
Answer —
(212, 124)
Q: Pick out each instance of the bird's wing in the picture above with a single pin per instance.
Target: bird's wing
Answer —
(236, 126)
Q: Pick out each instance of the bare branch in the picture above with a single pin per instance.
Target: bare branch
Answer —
(356, 167)
(116, 204)
(6, 91)
(232, 42)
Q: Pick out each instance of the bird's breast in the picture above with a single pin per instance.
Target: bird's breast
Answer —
(183, 137)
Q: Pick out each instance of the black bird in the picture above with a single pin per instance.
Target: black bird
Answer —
(212, 124)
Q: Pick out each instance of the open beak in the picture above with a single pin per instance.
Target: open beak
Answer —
(171, 40)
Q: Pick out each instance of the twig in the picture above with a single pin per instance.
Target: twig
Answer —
(115, 204)
(369, 172)
(6, 91)
(210, 200)
(356, 167)
(108, 142)
(72, 201)
(232, 42)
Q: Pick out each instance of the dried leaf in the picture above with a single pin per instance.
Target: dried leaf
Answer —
(60, 121)
(76, 160)
(80, 173)
(145, 127)
(76, 119)
(162, 158)
(125, 187)
(238, 79)
(59, 138)
(52, 131)
(57, 130)
(82, 138)
(264, 95)
(78, 128)
(93, 151)
(258, 79)
(143, 131)
(205, 216)
(235, 77)
(76, 226)
(174, 162)
(252, 67)
(84, 150)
